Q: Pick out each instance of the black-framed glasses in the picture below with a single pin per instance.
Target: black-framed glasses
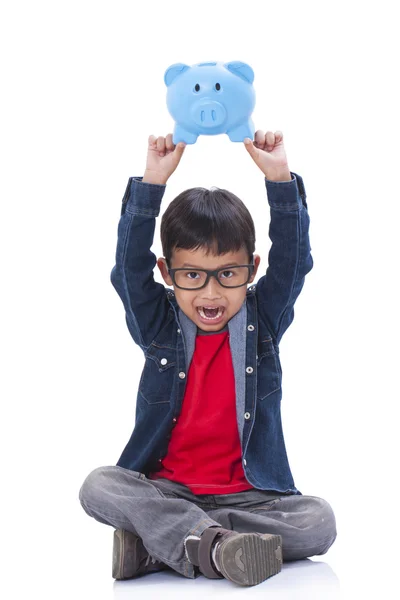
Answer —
(190, 278)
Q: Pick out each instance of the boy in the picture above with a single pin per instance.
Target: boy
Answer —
(204, 483)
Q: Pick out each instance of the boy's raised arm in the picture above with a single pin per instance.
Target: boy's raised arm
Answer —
(145, 301)
(289, 258)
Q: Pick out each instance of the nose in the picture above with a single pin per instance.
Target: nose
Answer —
(212, 289)
(208, 113)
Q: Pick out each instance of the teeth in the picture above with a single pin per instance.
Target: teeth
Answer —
(200, 309)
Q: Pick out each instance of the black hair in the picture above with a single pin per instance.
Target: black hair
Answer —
(214, 219)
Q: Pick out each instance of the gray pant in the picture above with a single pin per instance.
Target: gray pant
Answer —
(163, 513)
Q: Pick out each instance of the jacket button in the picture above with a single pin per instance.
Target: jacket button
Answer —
(250, 327)
(182, 375)
(163, 361)
(249, 369)
(174, 420)
(244, 462)
(178, 330)
(247, 415)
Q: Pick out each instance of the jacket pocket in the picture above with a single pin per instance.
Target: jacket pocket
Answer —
(158, 375)
(269, 375)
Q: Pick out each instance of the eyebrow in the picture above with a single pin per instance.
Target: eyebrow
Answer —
(231, 264)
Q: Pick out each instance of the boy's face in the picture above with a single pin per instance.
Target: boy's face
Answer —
(213, 294)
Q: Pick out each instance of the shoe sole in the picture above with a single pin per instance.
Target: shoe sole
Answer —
(249, 559)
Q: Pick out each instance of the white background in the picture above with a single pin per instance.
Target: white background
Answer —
(82, 88)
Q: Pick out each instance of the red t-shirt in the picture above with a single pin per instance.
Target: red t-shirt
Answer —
(204, 451)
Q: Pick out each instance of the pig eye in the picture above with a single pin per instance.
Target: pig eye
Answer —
(197, 87)
(217, 87)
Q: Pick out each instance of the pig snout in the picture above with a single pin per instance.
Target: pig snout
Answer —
(208, 113)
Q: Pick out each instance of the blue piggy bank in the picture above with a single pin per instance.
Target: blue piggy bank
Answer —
(210, 98)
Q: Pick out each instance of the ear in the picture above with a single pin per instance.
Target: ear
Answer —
(257, 260)
(241, 69)
(162, 265)
(173, 72)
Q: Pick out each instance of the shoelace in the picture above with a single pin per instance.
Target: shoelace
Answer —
(153, 560)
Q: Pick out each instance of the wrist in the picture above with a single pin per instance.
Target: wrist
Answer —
(152, 177)
(279, 175)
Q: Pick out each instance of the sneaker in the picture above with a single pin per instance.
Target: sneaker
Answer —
(243, 558)
(130, 557)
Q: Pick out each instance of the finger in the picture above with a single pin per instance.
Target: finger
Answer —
(179, 150)
(152, 140)
(169, 144)
(251, 149)
(161, 144)
(270, 140)
(278, 136)
(259, 138)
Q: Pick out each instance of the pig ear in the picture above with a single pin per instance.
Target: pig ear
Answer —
(173, 72)
(241, 69)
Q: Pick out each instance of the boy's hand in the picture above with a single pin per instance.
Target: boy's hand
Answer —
(268, 153)
(162, 159)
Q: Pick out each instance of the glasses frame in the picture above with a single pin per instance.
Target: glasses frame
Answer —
(212, 273)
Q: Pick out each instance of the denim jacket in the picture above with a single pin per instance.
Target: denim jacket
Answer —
(167, 336)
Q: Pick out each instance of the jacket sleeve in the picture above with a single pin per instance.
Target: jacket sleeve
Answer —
(145, 301)
(289, 258)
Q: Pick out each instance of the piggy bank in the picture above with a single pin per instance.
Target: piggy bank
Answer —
(210, 98)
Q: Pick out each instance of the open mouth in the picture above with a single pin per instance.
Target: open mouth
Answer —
(211, 314)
